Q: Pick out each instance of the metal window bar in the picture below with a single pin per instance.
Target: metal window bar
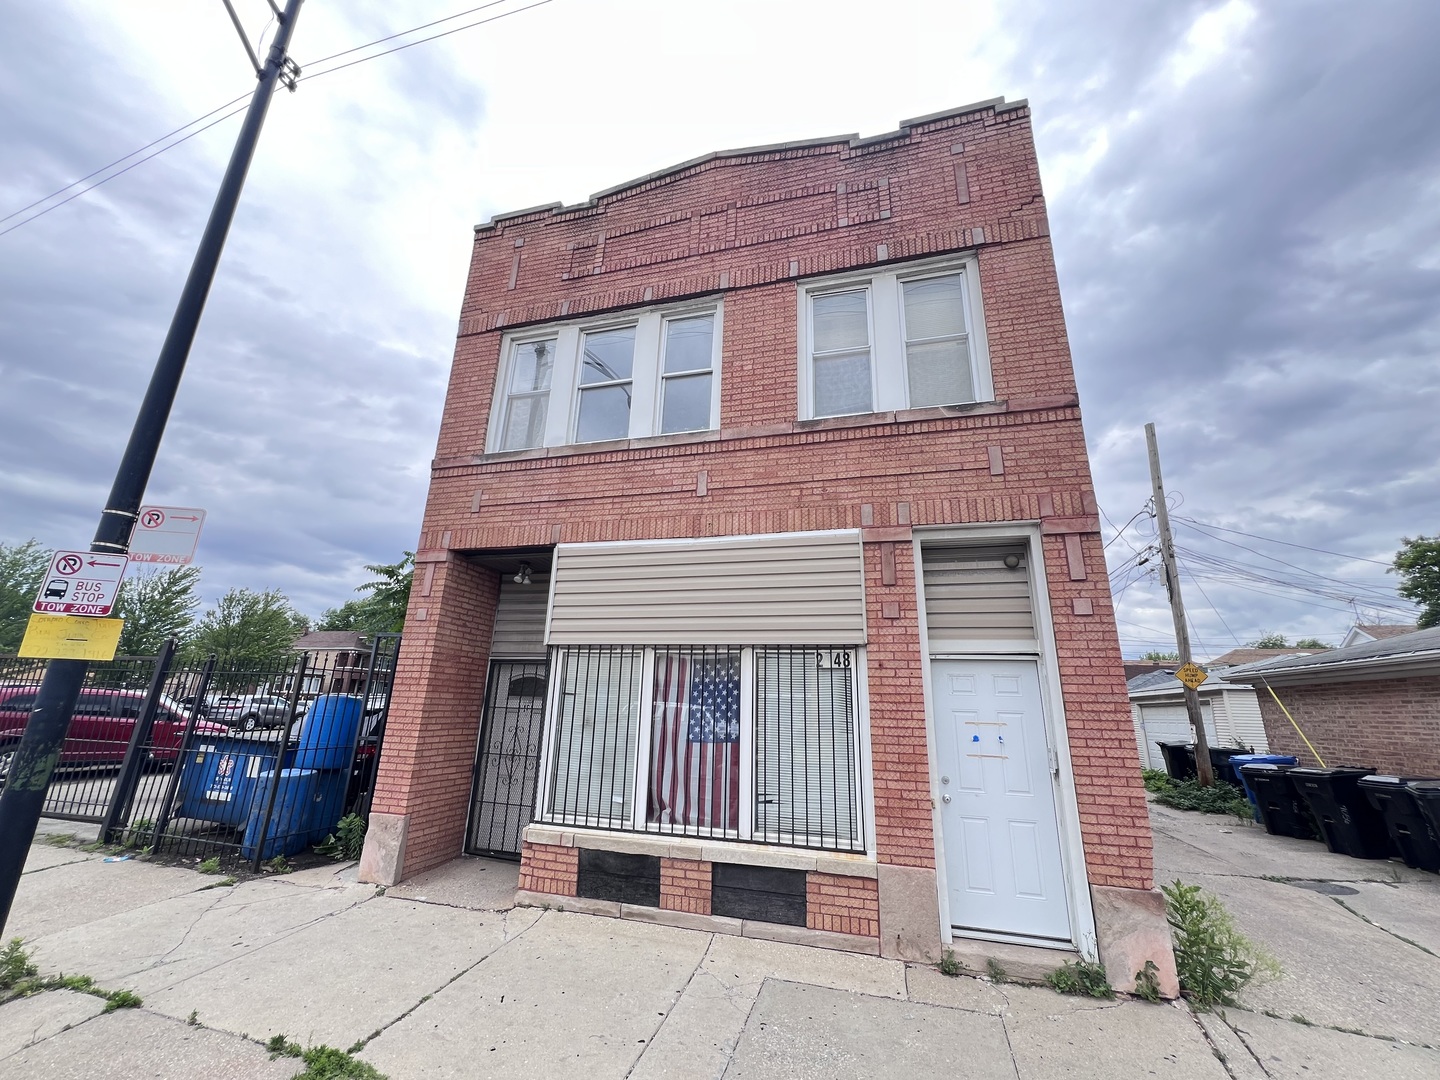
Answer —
(806, 789)
(507, 757)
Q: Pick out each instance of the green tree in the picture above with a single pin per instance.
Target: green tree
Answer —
(390, 595)
(1270, 640)
(156, 604)
(365, 616)
(22, 569)
(1418, 565)
(248, 629)
(1311, 643)
(1160, 656)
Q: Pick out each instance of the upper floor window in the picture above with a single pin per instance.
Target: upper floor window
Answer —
(652, 374)
(901, 339)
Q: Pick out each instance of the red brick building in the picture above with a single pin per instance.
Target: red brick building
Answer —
(761, 561)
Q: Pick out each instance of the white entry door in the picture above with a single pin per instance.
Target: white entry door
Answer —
(1002, 843)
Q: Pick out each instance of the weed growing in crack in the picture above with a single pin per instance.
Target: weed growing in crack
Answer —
(194, 1018)
(60, 839)
(279, 865)
(327, 1063)
(996, 971)
(20, 977)
(280, 1046)
(1213, 959)
(1080, 978)
(949, 965)
(1147, 982)
(122, 999)
(223, 883)
(210, 865)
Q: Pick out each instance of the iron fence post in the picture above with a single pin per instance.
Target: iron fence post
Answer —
(369, 794)
(117, 814)
(186, 741)
(283, 749)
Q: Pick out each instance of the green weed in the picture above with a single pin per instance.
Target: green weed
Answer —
(210, 865)
(949, 965)
(996, 971)
(1213, 959)
(347, 841)
(1147, 982)
(1080, 978)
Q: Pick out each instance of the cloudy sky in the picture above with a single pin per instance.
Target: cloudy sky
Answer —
(1245, 201)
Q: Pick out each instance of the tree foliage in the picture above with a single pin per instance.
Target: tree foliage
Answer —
(1270, 640)
(248, 629)
(156, 604)
(1418, 565)
(22, 569)
(1312, 643)
(383, 611)
(1155, 655)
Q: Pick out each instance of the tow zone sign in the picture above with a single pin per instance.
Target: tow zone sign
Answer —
(80, 583)
(166, 534)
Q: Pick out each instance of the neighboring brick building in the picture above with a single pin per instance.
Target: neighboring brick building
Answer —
(761, 559)
(1375, 704)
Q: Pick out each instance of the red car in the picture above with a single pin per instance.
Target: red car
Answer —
(101, 728)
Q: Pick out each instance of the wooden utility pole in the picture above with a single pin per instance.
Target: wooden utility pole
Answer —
(1203, 770)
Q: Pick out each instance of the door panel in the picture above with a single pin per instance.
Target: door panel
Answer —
(1002, 843)
(508, 762)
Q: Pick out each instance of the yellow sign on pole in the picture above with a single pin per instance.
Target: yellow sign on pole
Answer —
(71, 637)
(1192, 676)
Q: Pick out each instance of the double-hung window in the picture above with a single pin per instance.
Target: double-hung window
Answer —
(901, 339)
(653, 373)
(742, 743)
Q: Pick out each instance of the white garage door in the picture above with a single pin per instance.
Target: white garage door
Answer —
(1170, 723)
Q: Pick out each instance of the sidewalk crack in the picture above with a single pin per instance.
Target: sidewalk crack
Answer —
(650, 1041)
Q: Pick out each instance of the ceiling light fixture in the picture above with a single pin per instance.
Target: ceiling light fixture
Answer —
(522, 576)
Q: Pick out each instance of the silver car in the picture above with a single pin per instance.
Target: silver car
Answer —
(251, 711)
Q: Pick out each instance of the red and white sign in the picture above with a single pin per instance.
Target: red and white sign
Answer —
(80, 583)
(166, 534)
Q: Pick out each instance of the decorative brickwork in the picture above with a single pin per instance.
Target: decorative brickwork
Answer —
(1392, 725)
(844, 905)
(550, 868)
(685, 885)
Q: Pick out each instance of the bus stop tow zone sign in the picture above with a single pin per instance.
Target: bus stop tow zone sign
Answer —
(70, 637)
(80, 583)
(1192, 676)
(166, 534)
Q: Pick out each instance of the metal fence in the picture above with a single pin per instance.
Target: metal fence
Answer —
(193, 759)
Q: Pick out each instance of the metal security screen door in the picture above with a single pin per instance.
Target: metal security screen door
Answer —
(508, 762)
(1002, 844)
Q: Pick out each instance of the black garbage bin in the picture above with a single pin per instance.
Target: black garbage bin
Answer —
(1348, 823)
(1282, 811)
(1410, 831)
(1179, 759)
(1427, 801)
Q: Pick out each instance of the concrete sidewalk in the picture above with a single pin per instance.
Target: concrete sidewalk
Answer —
(439, 978)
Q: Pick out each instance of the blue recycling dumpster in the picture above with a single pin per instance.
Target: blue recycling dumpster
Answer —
(1236, 760)
(292, 818)
(326, 739)
(218, 778)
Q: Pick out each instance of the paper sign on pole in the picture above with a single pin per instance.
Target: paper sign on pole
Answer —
(71, 637)
(80, 583)
(166, 534)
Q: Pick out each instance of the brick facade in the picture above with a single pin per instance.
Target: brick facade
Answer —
(745, 227)
(550, 868)
(843, 905)
(1392, 725)
(685, 885)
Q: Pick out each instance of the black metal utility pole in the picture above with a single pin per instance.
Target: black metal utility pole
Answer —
(39, 749)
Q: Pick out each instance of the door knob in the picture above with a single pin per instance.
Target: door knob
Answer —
(945, 798)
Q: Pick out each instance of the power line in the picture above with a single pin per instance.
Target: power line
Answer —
(422, 41)
(122, 172)
(245, 97)
(1286, 543)
(127, 157)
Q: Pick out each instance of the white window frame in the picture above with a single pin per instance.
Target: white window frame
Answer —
(859, 758)
(646, 378)
(889, 379)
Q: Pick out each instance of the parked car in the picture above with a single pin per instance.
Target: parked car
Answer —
(251, 711)
(100, 731)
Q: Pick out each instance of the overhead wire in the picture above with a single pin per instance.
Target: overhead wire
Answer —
(1286, 543)
(245, 97)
